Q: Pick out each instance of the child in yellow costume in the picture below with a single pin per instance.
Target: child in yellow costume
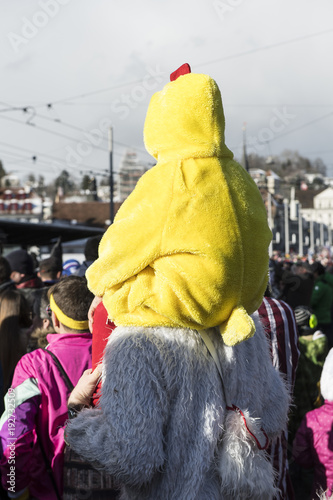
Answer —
(185, 413)
(189, 247)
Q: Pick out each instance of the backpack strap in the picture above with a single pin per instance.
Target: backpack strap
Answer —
(64, 375)
(70, 387)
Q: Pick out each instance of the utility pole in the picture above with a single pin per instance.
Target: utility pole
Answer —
(245, 158)
(321, 234)
(270, 221)
(111, 174)
(286, 227)
(311, 235)
(300, 231)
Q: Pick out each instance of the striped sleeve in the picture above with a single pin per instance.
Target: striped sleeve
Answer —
(17, 431)
(280, 326)
(279, 321)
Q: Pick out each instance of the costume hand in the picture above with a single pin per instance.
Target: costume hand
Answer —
(91, 312)
(84, 389)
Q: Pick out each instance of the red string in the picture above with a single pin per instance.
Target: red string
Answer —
(238, 410)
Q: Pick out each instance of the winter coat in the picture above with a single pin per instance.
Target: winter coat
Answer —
(280, 327)
(321, 300)
(310, 365)
(39, 399)
(313, 446)
(162, 428)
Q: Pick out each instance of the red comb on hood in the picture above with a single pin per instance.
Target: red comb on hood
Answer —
(184, 69)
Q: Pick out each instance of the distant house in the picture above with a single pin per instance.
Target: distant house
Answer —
(266, 179)
(20, 202)
(322, 209)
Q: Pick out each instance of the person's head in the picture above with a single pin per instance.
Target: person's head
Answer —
(5, 270)
(50, 269)
(317, 269)
(91, 248)
(21, 264)
(301, 268)
(41, 314)
(70, 266)
(326, 381)
(15, 320)
(70, 300)
(305, 319)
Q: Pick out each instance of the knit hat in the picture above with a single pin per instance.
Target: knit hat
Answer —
(305, 318)
(189, 246)
(21, 261)
(70, 266)
(326, 381)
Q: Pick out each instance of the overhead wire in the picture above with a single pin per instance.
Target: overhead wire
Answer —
(53, 158)
(61, 122)
(223, 58)
(113, 87)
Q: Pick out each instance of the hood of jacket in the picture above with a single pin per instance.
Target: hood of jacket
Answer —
(186, 120)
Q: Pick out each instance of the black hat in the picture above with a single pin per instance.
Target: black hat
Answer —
(21, 261)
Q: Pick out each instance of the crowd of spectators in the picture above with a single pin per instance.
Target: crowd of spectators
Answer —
(297, 316)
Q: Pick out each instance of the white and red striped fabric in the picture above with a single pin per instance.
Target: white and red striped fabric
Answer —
(279, 322)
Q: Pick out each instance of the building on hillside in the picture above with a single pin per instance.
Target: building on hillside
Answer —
(322, 209)
(266, 179)
(130, 172)
(23, 203)
(10, 181)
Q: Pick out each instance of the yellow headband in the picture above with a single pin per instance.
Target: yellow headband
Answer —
(65, 320)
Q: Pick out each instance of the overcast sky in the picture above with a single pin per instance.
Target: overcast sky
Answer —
(79, 66)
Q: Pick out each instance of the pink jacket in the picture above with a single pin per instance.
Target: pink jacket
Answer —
(313, 446)
(39, 400)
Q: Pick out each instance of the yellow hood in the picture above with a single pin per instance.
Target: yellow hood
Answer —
(189, 246)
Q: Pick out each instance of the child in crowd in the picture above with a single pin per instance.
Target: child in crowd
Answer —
(313, 351)
(37, 399)
(313, 444)
(189, 397)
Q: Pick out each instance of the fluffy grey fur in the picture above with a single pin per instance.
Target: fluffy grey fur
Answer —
(162, 429)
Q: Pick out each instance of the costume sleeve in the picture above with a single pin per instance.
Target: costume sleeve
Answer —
(303, 445)
(17, 426)
(124, 435)
(132, 242)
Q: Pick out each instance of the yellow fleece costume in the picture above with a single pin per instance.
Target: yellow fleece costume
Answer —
(189, 246)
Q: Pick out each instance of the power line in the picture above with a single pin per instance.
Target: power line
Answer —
(99, 91)
(266, 47)
(224, 58)
(79, 129)
(296, 129)
(61, 122)
(53, 158)
(49, 131)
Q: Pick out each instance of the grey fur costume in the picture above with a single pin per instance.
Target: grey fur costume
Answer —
(162, 429)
